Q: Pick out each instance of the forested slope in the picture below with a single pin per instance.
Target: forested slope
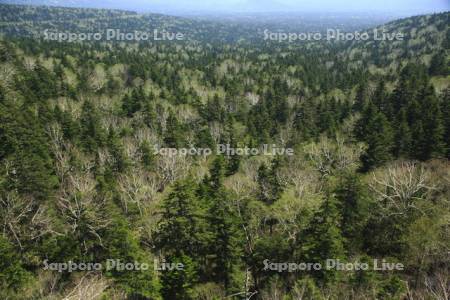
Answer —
(80, 180)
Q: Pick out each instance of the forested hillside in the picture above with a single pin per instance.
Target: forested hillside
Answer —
(81, 181)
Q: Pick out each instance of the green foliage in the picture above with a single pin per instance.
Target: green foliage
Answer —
(323, 240)
(147, 156)
(120, 244)
(439, 65)
(133, 103)
(222, 224)
(354, 203)
(393, 289)
(119, 160)
(182, 230)
(376, 131)
(270, 188)
(92, 134)
(174, 136)
(25, 146)
(178, 284)
(78, 122)
(13, 275)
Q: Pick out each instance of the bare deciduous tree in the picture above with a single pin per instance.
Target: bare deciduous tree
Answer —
(13, 209)
(79, 206)
(398, 187)
(97, 79)
(328, 155)
(6, 75)
(60, 150)
(171, 168)
(138, 187)
(89, 287)
(438, 285)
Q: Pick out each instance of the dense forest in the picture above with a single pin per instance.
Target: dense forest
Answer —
(80, 180)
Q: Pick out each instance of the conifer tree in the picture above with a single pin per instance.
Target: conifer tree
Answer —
(361, 98)
(445, 104)
(433, 128)
(323, 240)
(402, 136)
(92, 133)
(2, 95)
(438, 64)
(376, 131)
(182, 230)
(270, 188)
(174, 137)
(226, 240)
(119, 161)
(133, 103)
(147, 156)
(24, 143)
(353, 203)
(179, 283)
(13, 275)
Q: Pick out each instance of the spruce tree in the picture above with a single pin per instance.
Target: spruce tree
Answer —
(270, 188)
(323, 240)
(119, 162)
(182, 229)
(438, 64)
(222, 222)
(13, 275)
(376, 131)
(92, 133)
(174, 137)
(353, 203)
(433, 127)
(179, 283)
(403, 137)
(445, 104)
(361, 98)
(23, 142)
(2, 94)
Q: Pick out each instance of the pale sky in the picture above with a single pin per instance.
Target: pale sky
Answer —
(302, 5)
(230, 6)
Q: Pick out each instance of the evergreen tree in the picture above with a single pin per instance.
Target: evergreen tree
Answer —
(353, 203)
(323, 240)
(375, 130)
(182, 230)
(445, 104)
(24, 143)
(222, 223)
(13, 275)
(361, 97)
(259, 123)
(119, 162)
(2, 94)
(433, 128)
(133, 103)
(305, 121)
(438, 64)
(270, 188)
(92, 133)
(403, 139)
(149, 112)
(179, 283)
(147, 156)
(119, 243)
(234, 161)
(174, 136)
(381, 100)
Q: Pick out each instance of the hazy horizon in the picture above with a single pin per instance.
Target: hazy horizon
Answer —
(402, 7)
